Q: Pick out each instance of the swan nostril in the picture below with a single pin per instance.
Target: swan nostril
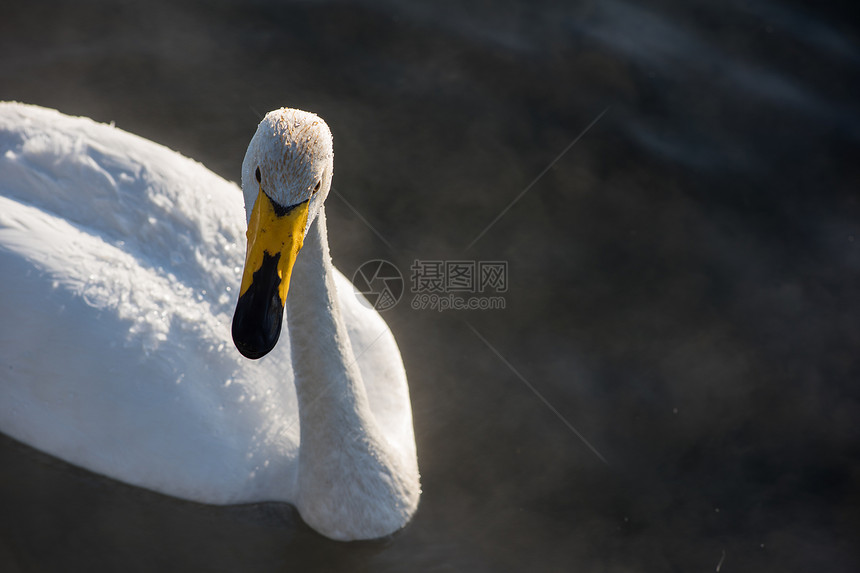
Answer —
(257, 175)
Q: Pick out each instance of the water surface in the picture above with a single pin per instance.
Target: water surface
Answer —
(682, 281)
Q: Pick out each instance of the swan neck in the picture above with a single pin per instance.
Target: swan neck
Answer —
(351, 484)
(328, 381)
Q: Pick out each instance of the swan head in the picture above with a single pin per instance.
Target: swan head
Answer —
(289, 159)
(286, 177)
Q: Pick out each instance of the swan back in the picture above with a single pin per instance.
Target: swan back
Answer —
(179, 215)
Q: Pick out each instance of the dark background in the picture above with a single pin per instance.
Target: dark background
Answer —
(683, 281)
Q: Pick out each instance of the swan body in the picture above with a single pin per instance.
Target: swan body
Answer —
(121, 263)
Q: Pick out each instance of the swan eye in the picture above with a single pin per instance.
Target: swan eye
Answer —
(257, 174)
(317, 188)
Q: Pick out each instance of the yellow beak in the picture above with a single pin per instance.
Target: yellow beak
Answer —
(275, 236)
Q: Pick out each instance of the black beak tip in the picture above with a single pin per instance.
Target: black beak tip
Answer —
(257, 324)
(253, 339)
(259, 312)
(251, 350)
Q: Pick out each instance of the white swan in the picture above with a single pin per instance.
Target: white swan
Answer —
(120, 263)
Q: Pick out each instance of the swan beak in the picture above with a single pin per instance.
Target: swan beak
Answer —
(275, 236)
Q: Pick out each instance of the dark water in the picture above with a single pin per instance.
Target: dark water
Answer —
(683, 281)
